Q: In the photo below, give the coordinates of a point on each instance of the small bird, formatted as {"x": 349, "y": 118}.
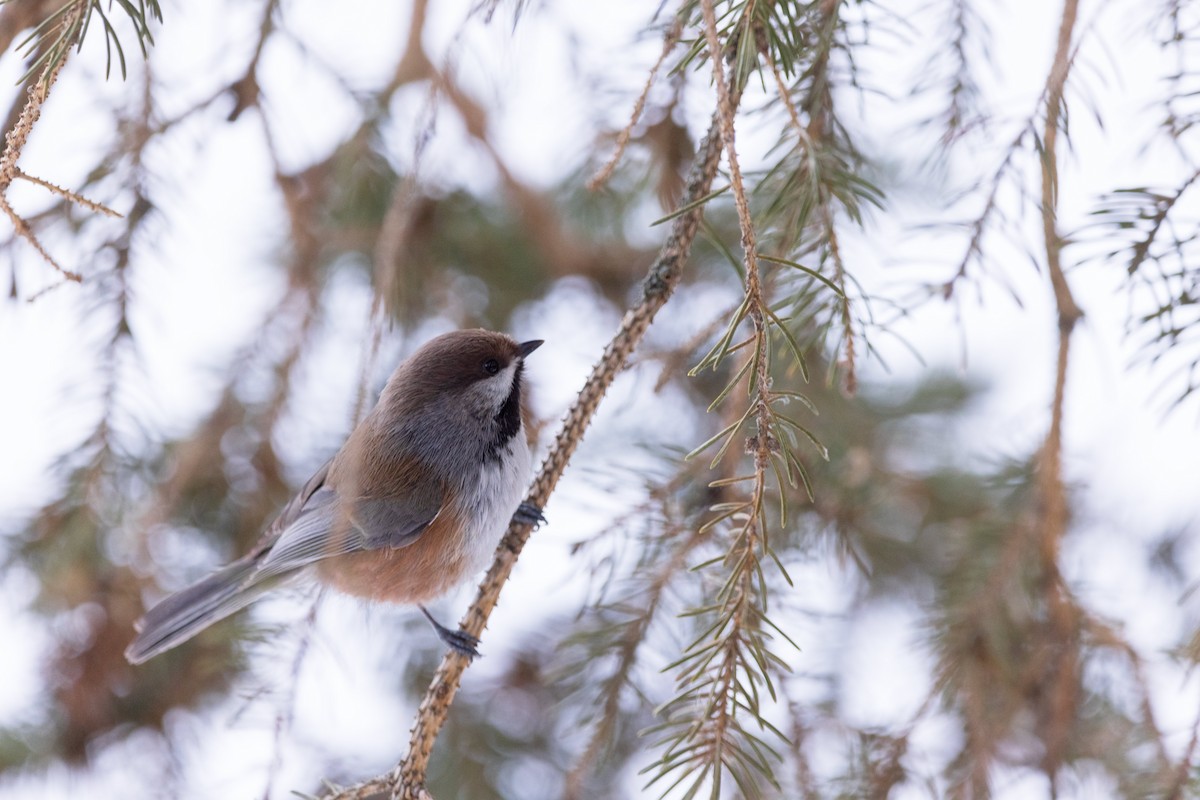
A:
{"x": 412, "y": 505}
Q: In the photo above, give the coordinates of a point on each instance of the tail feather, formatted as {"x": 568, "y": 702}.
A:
{"x": 184, "y": 614}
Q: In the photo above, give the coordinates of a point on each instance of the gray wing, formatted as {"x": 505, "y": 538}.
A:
{"x": 326, "y": 527}
{"x": 295, "y": 507}
{"x": 184, "y": 614}
{"x": 300, "y": 535}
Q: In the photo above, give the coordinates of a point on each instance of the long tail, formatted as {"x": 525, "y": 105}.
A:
{"x": 184, "y": 614}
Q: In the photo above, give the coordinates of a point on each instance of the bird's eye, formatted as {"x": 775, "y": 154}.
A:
{"x": 491, "y": 366}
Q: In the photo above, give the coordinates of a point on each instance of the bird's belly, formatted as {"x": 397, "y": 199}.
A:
{"x": 417, "y": 573}
{"x": 459, "y": 543}
{"x": 489, "y": 508}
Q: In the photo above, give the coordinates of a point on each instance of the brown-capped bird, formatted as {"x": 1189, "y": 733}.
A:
{"x": 412, "y": 505}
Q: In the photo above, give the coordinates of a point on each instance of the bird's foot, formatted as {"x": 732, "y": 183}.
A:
{"x": 459, "y": 641}
{"x": 529, "y": 514}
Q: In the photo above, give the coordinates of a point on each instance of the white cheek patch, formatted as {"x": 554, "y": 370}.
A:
{"x": 501, "y": 383}
{"x": 493, "y": 391}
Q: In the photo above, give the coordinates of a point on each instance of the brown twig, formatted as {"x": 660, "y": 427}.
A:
{"x": 669, "y": 41}
{"x": 414, "y": 64}
{"x": 15, "y": 139}
{"x": 77, "y": 199}
{"x": 408, "y": 778}
{"x": 1062, "y": 694}
{"x": 25, "y": 232}
{"x": 1068, "y": 311}
{"x": 14, "y": 144}
{"x": 850, "y": 384}
{"x": 849, "y": 361}
{"x": 754, "y": 291}
{"x": 245, "y": 90}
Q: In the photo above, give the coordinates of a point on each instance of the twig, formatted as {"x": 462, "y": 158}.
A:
{"x": 850, "y": 385}
{"x": 77, "y": 199}
{"x": 849, "y": 361}
{"x": 1069, "y": 312}
{"x": 14, "y": 144}
{"x": 25, "y": 232}
{"x": 749, "y": 247}
{"x": 669, "y": 41}
{"x": 786, "y": 97}
{"x": 15, "y": 139}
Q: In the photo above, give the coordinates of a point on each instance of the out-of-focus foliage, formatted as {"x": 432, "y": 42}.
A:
{"x": 687, "y": 666}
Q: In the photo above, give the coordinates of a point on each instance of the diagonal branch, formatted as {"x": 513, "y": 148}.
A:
{"x": 407, "y": 780}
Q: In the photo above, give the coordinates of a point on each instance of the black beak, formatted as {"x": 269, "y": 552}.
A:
{"x": 525, "y": 348}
